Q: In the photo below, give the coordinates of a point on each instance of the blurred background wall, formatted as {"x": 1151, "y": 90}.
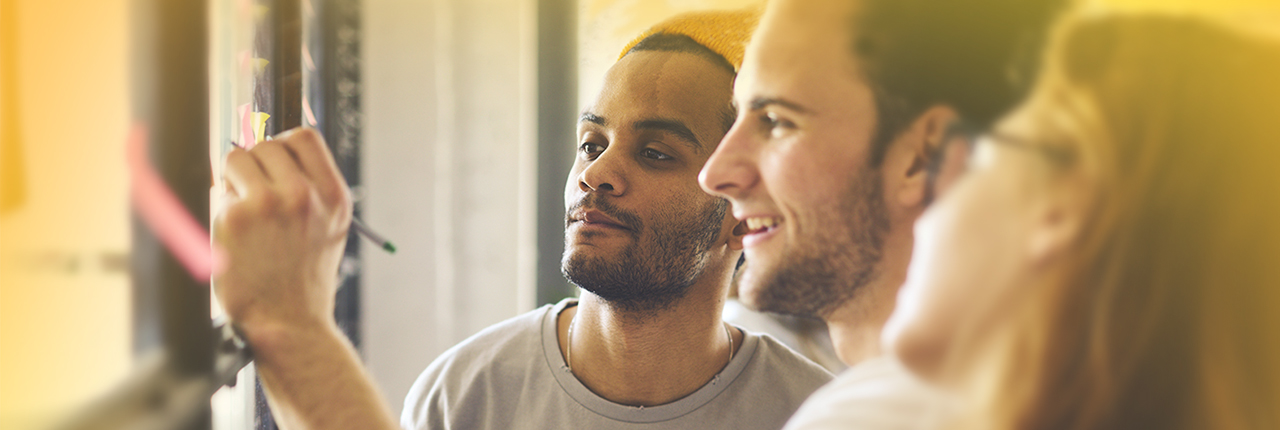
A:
{"x": 451, "y": 168}
{"x": 64, "y": 286}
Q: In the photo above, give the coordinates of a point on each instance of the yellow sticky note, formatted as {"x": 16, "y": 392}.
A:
{"x": 260, "y": 125}
{"x": 260, "y": 11}
{"x": 259, "y": 64}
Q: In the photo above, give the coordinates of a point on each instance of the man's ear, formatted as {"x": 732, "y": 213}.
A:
{"x": 918, "y": 149}
{"x": 735, "y": 236}
{"x": 1059, "y": 220}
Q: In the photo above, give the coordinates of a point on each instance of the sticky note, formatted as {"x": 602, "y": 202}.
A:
{"x": 306, "y": 110}
{"x": 259, "y": 64}
{"x": 246, "y": 127}
{"x": 243, "y": 60}
{"x": 259, "y": 125}
{"x": 306, "y": 59}
{"x": 164, "y": 214}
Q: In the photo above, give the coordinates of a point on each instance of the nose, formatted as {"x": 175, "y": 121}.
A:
{"x": 604, "y": 174}
{"x": 731, "y": 170}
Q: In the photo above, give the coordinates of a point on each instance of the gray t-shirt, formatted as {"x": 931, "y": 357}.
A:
{"x": 512, "y": 376}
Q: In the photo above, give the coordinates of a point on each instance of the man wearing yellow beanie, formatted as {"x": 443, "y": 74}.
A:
{"x": 652, "y": 253}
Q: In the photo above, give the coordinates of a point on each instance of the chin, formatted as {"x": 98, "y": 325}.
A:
{"x": 918, "y": 352}
{"x": 749, "y": 289}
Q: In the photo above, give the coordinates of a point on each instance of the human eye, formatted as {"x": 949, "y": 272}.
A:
{"x": 775, "y": 125}
{"x": 590, "y": 150}
{"x": 654, "y": 154}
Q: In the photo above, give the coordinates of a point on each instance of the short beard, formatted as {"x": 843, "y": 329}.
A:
{"x": 828, "y": 269}
{"x": 650, "y": 275}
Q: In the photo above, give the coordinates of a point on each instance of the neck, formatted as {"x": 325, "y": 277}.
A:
{"x": 650, "y": 359}
{"x": 855, "y": 326}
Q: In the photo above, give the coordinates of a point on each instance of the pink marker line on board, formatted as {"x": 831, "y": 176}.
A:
{"x": 164, "y": 214}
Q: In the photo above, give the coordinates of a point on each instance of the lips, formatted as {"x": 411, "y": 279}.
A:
{"x": 761, "y": 224}
{"x": 759, "y": 229}
{"x": 596, "y": 218}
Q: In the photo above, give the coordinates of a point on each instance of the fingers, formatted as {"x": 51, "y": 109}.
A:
{"x": 316, "y": 162}
{"x": 287, "y": 173}
{"x": 244, "y": 174}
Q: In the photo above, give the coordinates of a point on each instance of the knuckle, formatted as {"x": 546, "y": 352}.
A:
{"x": 308, "y": 138}
{"x": 336, "y": 194}
{"x": 265, "y": 145}
{"x": 346, "y": 211}
{"x": 235, "y": 156}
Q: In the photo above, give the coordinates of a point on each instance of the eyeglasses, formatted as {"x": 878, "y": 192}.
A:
{"x": 957, "y": 132}
{"x": 1058, "y": 154}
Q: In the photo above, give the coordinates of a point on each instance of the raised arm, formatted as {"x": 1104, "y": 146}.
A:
{"x": 284, "y": 227}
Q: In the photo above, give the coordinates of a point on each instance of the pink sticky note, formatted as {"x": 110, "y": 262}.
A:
{"x": 245, "y": 57}
{"x": 185, "y": 238}
{"x": 246, "y": 127}
{"x": 306, "y": 110}
{"x": 306, "y": 59}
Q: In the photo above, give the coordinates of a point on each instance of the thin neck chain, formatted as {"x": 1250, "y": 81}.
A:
{"x": 573, "y": 322}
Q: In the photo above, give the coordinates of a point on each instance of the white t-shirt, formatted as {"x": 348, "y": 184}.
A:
{"x": 876, "y": 394}
{"x": 513, "y": 376}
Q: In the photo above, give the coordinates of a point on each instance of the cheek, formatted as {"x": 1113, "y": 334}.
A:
{"x": 808, "y": 174}
{"x": 968, "y": 265}
{"x": 960, "y": 247}
{"x": 926, "y": 311}
{"x": 571, "y": 185}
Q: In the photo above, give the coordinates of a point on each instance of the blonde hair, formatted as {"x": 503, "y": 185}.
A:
{"x": 1165, "y": 311}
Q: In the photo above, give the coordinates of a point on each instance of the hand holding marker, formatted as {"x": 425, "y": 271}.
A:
{"x": 359, "y": 227}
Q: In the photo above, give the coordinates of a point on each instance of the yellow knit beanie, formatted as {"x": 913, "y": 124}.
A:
{"x": 725, "y": 32}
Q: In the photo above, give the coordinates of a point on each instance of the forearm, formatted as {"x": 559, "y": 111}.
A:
{"x": 283, "y": 226}
{"x": 314, "y": 380}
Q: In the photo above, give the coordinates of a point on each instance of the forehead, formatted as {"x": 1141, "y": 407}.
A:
{"x": 803, "y": 49}
{"x": 659, "y": 84}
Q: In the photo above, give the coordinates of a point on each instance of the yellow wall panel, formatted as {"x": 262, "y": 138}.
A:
{"x": 64, "y": 290}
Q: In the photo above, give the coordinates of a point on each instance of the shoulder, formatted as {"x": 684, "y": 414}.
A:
{"x": 478, "y": 367}
{"x": 776, "y": 372}
{"x": 768, "y": 376}
{"x": 876, "y": 394}
{"x": 519, "y": 333}
{"x": 779, "y": 359}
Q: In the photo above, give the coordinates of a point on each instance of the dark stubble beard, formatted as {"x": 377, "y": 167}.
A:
{"x": 837, "y": 257}
{"x": 656, "y": 269}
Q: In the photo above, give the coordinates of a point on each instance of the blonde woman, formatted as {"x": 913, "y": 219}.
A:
{"x": 1111, "y": 259}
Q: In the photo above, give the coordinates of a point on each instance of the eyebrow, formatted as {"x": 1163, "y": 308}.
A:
{"x": 672, "y": 126}
{"x": 763, "y": 102}
{"x": 592, "y": 118}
